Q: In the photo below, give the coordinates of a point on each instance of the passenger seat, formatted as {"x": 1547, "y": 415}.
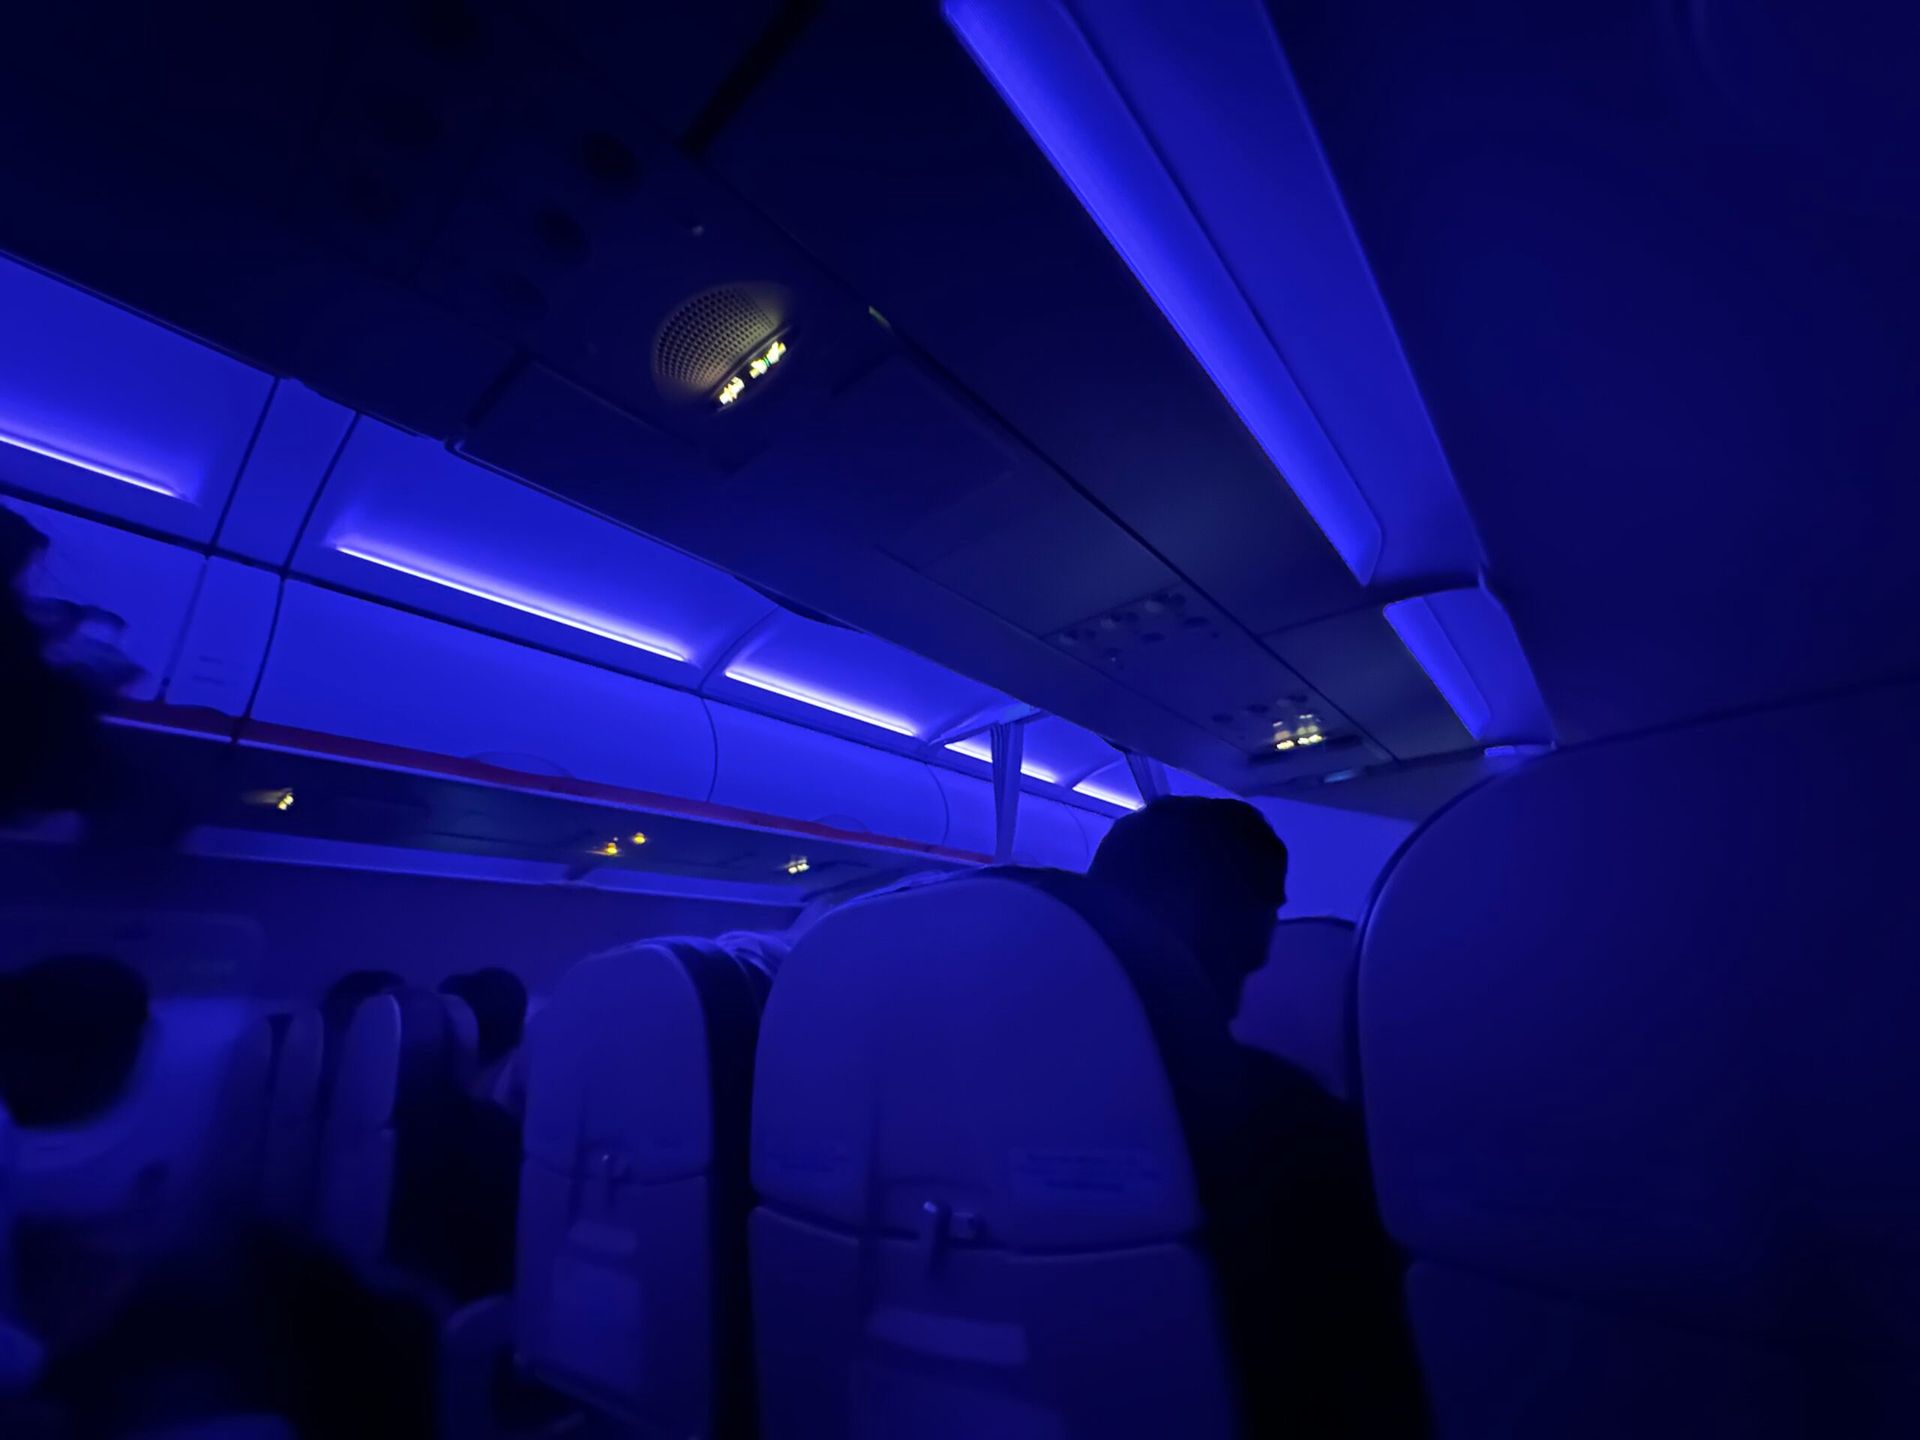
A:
{"x": 632, "y": 1293}
{"x": 978, "y": 1214}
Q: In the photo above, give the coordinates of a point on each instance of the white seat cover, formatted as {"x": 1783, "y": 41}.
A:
{"x": 1638, "y": 1030}
{"x": 355, "y": 1183}
{"x": 615, "y": 1266}
{"x": 1299, "y": 1005}
{"x": 977, "y": 1214}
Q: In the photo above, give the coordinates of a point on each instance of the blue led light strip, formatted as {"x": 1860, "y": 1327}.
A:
{"x": 975, "y": 750}
{"x": 494, "y": 593}
{"x": 789, "y": 690}
{"x": 80, "y": 462}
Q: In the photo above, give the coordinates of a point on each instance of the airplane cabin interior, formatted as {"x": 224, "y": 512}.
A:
{"x": 737, "y": 522}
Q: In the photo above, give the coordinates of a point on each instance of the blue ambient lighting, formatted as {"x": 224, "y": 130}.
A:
{"x": 975, "y": 750}
{"x": 80, "y": 462}
{"x": 1048, "y": 74}
{"x": 1420, "y": 630}
{"x": 1097, "y": 792}
{"x": 788, "y": 690}
{"x": 497, "y": 594}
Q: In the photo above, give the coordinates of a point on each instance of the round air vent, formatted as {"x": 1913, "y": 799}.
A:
{"x": 711, "y": 336}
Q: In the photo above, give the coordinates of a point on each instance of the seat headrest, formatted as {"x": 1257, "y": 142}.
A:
{"x": 973, "y": 1044}
{"x": 619, "y": 1067}
{"x": 1637, "y": 1024}
{"x": 1299, "y": 1005}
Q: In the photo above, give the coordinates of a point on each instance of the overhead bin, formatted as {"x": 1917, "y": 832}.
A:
{"x": 768, "y": 765}
{"x": 350, "y": 667}
{"x": 405, "y": 519}
{"x": 102, "y": 409}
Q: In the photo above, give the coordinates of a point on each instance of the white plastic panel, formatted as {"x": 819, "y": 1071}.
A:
{"x": 226, "y": 638}
{"x": 351, "y": 667}
{"x": 1094, "y": 828}
{"x": 1048, "y": 833}
{"x": 517, "y": 560}
{"x": 153, "y": 426}
{"x": 148, "y": 583}
{"x": 969, "y": 810}
{"x": 297, "y": 442}
{"x": 1063, "y": 750}
{"x": 848, "y": 681}
{"x": 766, "y": 764}
{"x": 1112, "y": 786}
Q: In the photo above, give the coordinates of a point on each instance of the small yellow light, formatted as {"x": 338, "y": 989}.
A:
{"x": 285, "y": 802}
{"x": 758, "y": 368}
{"x": 611, "y": 848}
{"x": 1283, "y": 744}
{"x": 639, "y": 837}
{"x": 775, "y": 351}
{"x": 732, "y": 390}
{"x": 798, "y": 866}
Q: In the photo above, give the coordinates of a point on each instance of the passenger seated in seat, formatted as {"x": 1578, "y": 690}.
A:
{"x": 498, "y": 999}
{"x": 1310, "y": 1282}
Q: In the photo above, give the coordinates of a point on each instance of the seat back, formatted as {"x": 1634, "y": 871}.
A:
{"x": 977, "y": 1211}
{"x": 1299, "y": 1005}
{"x": 1637, "y": 1031}
{"x": 403, "y": 1062}
{"x": 290, "y": 1144}
{"x": 354, "y": 1184}
{"x": 631, "y": 1291}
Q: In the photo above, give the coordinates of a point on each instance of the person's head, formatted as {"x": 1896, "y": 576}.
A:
{"x": 70, "y": 1033}
{"x": 1211, "y": 871}
{"x": 498, "y": 999}
{"x": 343, "y": 997}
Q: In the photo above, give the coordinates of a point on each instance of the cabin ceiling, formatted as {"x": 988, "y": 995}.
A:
{"x": 1668, "y": 357}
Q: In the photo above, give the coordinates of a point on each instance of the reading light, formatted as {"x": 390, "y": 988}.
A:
{"x": 1097, "y": 792}
{"x": 285, "y": 802}
{"x": 497, "y": 594}
{"x": 639, "y": 837}
{"x": 974, "y": 750}
{"x": 611, "y": 849}
{"x": 798, "y": 865}
{"x": 756, "y": 369}
{"x": 1304, "y": 731}
{"x": 80, "y": 462}
{"x": 787, "y": 690}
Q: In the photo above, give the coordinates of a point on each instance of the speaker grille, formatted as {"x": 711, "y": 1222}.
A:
{"x": 706, "y": 339}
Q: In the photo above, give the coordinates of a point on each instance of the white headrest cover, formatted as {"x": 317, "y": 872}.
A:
{"x": 367, "y": 1083}
{"x": 618, "y": 1065}
{"x": 1299, "y": 1005}
{"x": 974, "y": 1044}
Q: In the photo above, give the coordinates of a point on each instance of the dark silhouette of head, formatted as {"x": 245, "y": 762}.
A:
{"x": 343, "y": 997}
{"x": 498, "y": 999}
{"x": 70, "y": 1033}
{"x": 1212, "y": 872}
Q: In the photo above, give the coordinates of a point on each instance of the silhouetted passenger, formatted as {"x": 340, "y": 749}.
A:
{"x": 70, "y": 1033}
{"x": 1309, "y": 1279}
{"x": 498, "y": 999}
{"x": 456, "y": 1202}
